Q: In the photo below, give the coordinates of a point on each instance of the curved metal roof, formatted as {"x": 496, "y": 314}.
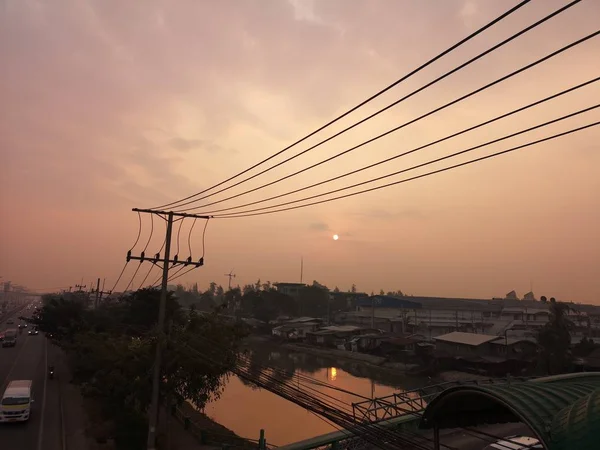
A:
{"x": 535, "y": 403}
{"x": 577, "y": 425}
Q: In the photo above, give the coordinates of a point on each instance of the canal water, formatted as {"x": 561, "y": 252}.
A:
{"x": 245, "y": 409}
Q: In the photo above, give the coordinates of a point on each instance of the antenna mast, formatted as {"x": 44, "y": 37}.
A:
{"x": 230, "y": 275}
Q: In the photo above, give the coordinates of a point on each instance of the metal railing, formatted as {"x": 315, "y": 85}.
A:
{"x": 409, "y": 402}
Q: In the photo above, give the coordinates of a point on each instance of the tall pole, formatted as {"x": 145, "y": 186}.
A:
{"x": 153, "y": 416}
{"x": 97, "y": 294}
{"x": 301, "y": 268}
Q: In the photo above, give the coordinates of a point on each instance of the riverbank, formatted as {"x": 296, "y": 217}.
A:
{"x": 209, "y": 432}
{"x": 364, "y": 365}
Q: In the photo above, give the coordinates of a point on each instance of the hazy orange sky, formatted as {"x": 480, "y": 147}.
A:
{"x": 107, "y": 105}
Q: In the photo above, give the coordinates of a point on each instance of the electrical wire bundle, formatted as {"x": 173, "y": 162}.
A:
{"x": 332, "y": 410}
{"x": 194, "y": 202}
{"x": 302, "y": 391}
{"x": 182, "y": 269}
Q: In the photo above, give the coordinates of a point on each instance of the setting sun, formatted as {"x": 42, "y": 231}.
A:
{"x": 335, "y": 237}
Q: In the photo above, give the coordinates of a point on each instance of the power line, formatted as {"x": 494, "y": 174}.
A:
{"x": 364, "y": 102}
{"x": 393, "y": 130}
{"x": 156, "y": 258}
{"x": 242, "y": 214}
{"x": 129, "y": 252}
{"x": 271, "y": 379}
{"x": 398, "y": 172}
{"x": 177, "y": 274}
{"x": 143, "y": 252}
{"x": 408, "y": 152}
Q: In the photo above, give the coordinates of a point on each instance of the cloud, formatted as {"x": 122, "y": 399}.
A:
{"x": 109, "y": 104}
{"x": 392, "y": 215}
{"x": 319, "y": 226}
{"x": 185, "y": 145}
{"x": 468, "y": 10}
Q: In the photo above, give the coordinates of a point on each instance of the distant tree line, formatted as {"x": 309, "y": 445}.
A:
{"x": 262, "y": 300}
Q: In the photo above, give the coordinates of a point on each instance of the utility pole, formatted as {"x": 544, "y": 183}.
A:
{"x": 170, "y": 218}
{"x": 97, "y": 294}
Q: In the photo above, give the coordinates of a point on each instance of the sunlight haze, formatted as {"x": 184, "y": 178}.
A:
{"x": 108, "y": 105}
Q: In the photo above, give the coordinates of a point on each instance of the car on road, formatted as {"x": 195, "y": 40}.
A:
{"x": 516, "y": 443}
{"x": 10, "y": 322}
{"x": 34, "y": 332}
{"x": 10, "y": 338}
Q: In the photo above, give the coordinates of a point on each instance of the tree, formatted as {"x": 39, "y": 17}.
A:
{"x": 212, "y": 288}
{"x": 111, "y": 350}
{"x": 336, "y": 289}
{"x": 232, "y": 299}
{"x": 219, "y": 293}
{"x": 247, "y": 289}
{"x": 313, "y": 301}
{"x": 381, "y": 292}
{"x": 397, "y": 293}
{"x": 353, "y": 289}
{"x": 554, "y": 339}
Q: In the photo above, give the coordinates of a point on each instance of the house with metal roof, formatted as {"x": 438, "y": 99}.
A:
{"x": 458, "y": 343}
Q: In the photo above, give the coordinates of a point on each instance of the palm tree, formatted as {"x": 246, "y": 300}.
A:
{"x": 554, "y": 339}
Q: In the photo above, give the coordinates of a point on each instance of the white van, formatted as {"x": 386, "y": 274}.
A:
{"x": 16, "y": 401}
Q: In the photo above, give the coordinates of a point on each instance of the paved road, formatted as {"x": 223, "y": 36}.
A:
{"x": 29, "y": 360}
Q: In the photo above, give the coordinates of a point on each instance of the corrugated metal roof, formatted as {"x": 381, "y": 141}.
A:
{"x": 577, "y": 425}
{"x": 557, "y": 402}
{"x": 458, "y": 337}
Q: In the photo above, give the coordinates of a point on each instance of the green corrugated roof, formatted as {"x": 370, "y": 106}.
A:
{"x": 577, "y": 425}
{"x": 536, "y": 403}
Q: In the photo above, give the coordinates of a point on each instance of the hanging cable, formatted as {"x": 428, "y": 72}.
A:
{"x": 139, "y": 232}
{"x": 151, "y": 233}
{"x": 372, "y": 432}
{"x": 146, "y": 277}
{"x": 418, "y": 166}
{"x": 364, "y": 120}
{"x": 190, "y": 235}
{"x": 156, "y": 259}
{"x": 575, "y": 130}
{"x": 368, "y": 100}
{"x": 178, "y": 234}
{"x": 178, "y": 273}
{"x": 118, "y": 279}
{"x": 143, "y": 253}
{"x": 392, "y": 158}
{"x": 133, "y": 277}
{"x": 405, "y": 124}
{"x": 129, "y": 253}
